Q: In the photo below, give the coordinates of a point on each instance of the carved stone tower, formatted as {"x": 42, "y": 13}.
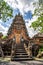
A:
{"x": 18, "y": 29}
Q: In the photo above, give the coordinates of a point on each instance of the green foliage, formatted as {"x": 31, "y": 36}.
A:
{"x": 40, "y": 1}
{"x": 4, "y": 37}
{"x": 41, "y": 48}
{"x": 5, "y": 11}
{"x": 39, "y": 22}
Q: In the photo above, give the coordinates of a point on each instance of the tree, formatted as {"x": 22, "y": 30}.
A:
{"x": 38, "y": 24}
{"x": 5, "y": 11}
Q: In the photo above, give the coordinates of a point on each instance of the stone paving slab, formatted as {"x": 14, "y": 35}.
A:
{"x": 22, "y": 63}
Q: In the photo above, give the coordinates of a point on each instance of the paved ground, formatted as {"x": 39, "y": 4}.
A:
{"x": 22, "y": 63}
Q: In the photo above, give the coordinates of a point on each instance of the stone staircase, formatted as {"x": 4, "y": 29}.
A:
{"x": 20, "y": 54}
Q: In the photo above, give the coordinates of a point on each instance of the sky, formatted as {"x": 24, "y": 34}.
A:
{"x": 26, "y": 9}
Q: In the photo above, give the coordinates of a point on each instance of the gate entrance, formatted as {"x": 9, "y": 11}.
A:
{"x": 18, "y": 36}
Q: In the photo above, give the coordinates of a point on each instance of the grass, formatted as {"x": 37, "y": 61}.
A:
{"x": 4, "y": 59}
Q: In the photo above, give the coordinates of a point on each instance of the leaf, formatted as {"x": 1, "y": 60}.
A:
{"x": 4, "y": 9}
{"x": 39, "y": 21}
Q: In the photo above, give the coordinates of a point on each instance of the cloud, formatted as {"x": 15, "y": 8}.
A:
{"x": 15, "y": 11}
{"x": 28, "y": 22}
{"x": 3, "y": 29}
{"x": 22, "y": 5}
{"x": 31, "y": 31}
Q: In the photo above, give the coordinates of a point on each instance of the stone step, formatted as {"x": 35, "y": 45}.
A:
{"x": 21, "y": 53}
{"x": 19, "y": 49}
{"x": 21, "y": 59}
{"x": 22, "y": 56}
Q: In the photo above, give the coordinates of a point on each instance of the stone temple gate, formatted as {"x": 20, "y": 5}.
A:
{"x": 17, "y": 45}
{"x": 18, "y": 29}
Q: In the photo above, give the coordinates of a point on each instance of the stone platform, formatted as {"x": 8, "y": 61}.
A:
{"x": 22, "y": 63}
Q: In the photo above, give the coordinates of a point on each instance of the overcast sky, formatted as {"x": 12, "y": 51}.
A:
{"x": 26, "y": 9}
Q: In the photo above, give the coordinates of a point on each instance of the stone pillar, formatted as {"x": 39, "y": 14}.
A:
{"x": 13, "y": 48}
{"x": 30, "y": 49}
{"x": 35, "y": 49}
{"x": 1, "y": 52}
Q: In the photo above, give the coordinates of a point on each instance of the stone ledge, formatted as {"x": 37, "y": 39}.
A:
{"x": 38, "y": 59}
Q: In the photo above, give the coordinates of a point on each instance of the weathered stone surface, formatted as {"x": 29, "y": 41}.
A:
{"x": 40, "y": 55}
{"x": 22, "y": 63}
{"x": 35, "y": 49}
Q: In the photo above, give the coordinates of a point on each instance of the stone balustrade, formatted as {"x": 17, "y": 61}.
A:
{"x": 28, "y": 50}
